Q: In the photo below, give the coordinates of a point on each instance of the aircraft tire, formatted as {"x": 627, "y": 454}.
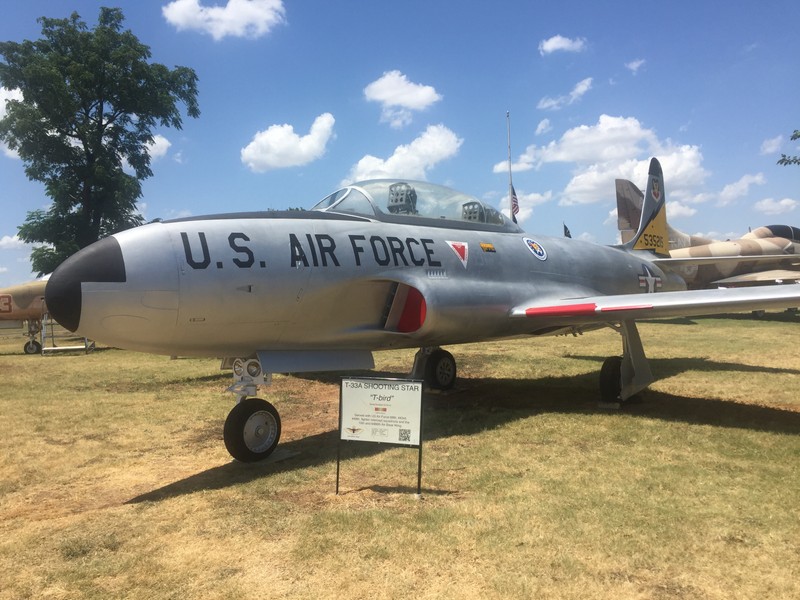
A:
{"x": 611, "y": 380}
{"x": 32, "y": 347}
{"x": 440, "y": 370}
{"x": 252, "y": 430}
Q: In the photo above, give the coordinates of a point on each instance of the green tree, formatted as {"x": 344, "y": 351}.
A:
{"x": 90, "y": 102}
{"x": 791, "y": 160}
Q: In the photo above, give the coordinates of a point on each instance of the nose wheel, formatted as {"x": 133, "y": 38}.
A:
{"x": 32, "y": 347}
{"x": 252, "y": 430}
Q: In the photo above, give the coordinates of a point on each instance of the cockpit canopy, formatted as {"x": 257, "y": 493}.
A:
{"x": 384, "y": 199}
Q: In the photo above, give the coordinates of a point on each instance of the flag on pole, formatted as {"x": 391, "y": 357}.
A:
{"x": 512, "y": 195}
{"x": 514, "y": 204}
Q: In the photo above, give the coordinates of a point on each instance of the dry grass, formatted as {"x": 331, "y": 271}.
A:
{"x": 115, "y": 483}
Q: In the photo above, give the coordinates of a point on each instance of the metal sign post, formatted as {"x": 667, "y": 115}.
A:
{"x": 382, "y": 411}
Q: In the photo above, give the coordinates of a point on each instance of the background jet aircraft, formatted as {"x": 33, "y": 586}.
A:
{"x": 771, "y": 251}
{"x": 377, "y": 265}
{"x": 24, "y": 304}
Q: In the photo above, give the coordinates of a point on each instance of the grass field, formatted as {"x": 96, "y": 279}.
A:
{"x": 115, "y": 483}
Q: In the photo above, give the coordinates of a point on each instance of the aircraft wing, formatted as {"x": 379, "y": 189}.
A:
{"x": 697, "y": 261}
{"x": 773, "y": 276}
{"x": 598, "y": 309}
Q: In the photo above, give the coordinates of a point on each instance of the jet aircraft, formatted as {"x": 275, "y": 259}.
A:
{"x": 377, "y": 265}
{"x": 22, "y": 305}
{"x": 766, "y": 255}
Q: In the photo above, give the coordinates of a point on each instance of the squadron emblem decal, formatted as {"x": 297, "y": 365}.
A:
{"x": 656, "y": 188}
{"x": 536, "y": 248}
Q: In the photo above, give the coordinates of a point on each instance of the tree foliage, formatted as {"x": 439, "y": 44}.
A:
{"x": 791, "y": 160}
{"x": 90, "y": 102}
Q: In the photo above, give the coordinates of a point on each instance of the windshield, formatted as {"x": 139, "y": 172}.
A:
{"x": 413, "y": 198}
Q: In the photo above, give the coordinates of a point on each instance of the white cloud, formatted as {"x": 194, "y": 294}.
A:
{"x": 682, "y": 167}
{"x": 280, "y": 147}
{"x": 410, "y": 161}
{"x": 560, "y": 43}
{"x": 676, "y": 210}
{"x": 769, "y": 206}
{"x": 11, "y": 242}
{"x": 615, "y": 147}
{"x": 6, "y": 94}
{"x": 740, "y": 188}
{"x": 635, "y": 65}
{"x": 526, "y": 204}
{"x": 576, "y": 94}
{"x": 772, "y": 145}
{"x": 238, "y": 18}
{"x": 543, "y": 127}
{"x": 614, "y": 139}
{"x": 158, "y": 147}
{"x": 398, "y": 97}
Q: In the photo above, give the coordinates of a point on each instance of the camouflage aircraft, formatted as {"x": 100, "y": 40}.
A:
{"x": 771, "y": 252}
{"x": 23, "y": 305}
{"x": 376, "y": 265}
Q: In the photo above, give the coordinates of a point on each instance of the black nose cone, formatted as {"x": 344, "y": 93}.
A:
{"x": 100, "y": 262}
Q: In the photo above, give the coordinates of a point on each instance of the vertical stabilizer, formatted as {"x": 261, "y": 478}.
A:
{"x": 652, "y": 234}
{"x": 629, "y": 209}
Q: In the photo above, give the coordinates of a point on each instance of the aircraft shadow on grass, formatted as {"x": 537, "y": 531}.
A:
{"x": 482, "y": 404}
{"x": 667, "y": 367}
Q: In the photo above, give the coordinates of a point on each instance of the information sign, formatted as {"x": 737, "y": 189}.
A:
{"x": 381, "y": 410}
{"x": 386, "y": 411}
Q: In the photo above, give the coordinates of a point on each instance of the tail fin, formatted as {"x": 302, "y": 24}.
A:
{"x": 652, "y": 233}
{"x": 629, "y": 208}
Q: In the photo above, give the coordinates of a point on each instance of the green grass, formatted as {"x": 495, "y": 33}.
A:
{"x": 115, "y": 482}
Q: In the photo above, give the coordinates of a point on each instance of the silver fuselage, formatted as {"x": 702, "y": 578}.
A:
{"x": 232, "y": 285}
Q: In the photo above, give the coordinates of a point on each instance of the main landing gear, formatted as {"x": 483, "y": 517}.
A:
{"x": 436, "y": 367}
{"x": 622, "y": 377}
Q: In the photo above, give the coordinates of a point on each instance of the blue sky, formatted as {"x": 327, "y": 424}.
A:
{"x": 298, "y": 97}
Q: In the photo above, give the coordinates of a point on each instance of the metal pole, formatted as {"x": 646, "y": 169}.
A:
{"x": 510, "y": 183}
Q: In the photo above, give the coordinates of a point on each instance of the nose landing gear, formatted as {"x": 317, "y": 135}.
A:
{"x": 253, "y": 427}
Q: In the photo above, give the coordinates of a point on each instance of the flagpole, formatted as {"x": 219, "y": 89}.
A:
{"x": 511, "y": 193}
